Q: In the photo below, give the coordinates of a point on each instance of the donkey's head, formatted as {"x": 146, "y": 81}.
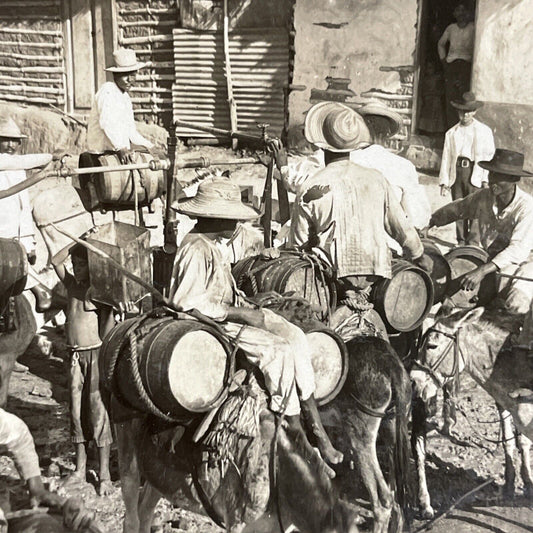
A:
{"x": 441, "y": 356}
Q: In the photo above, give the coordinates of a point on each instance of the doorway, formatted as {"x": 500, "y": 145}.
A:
{"x": 432, "y": 118}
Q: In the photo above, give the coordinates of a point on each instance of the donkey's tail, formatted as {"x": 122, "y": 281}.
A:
{"x": 401, "y": 396}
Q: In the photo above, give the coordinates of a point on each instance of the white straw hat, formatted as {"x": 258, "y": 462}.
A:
{"x": 9, "y": 128}
{"x": 125, "y": 61}
{"x": 336, "y": 127}
{"x": 379, "y": 109}
{"x": 217, "y": 198}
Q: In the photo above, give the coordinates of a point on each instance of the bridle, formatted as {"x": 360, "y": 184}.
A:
{"x": 433, "y": 370}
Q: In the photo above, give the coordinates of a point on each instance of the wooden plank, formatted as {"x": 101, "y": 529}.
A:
{"x": 103, "y": 40}
{"x": 82, "y": 54}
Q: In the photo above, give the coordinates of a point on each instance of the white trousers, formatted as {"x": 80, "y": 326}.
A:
{"x": 281, "y": 351}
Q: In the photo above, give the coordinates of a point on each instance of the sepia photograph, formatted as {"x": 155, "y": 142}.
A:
{"x": 266, "y": 266}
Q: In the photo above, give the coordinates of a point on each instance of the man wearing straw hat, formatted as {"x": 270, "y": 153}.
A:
{"x": 111, "y": 122}
{"x": 16, "y": 220}
{"x": 400, "y": 173}
{"x": 505, "y": 215}
{"x": 348, "y": 209}
{"x": 202, "y": 280}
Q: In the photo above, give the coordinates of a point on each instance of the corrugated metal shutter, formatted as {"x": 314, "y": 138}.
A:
{"x": 260, "y": 71}
{"x": 32, "y": 68}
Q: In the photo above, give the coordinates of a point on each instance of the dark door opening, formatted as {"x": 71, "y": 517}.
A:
{"x": 434, "y": 114}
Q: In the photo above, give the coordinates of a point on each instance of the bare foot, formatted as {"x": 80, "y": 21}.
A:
{"x": 76, "y": 478}
{"x": 105, "y": 488}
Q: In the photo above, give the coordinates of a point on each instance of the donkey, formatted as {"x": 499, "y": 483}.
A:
{"x": 477, "y": 341}
{"x": 14, "y": 343}
{"x": 247, "y": 495}
{"x": 377, "y": 390}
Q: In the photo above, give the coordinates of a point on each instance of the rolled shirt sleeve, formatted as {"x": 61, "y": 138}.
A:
{"x": 23, "y": 162}
{"x": 17, "y": 442}
{"x": 398, "y": 226}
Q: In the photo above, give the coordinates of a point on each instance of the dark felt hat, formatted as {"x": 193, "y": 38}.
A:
{"x": 467, "y": 102}
{"x": 507, "y": 163}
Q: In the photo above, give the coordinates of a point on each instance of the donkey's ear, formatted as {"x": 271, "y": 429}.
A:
{"x": 471, "y": 316}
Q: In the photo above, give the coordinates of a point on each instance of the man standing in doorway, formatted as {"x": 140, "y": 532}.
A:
{"x": 457, "y": 58}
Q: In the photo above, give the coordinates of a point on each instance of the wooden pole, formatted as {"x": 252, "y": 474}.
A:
{"x": 229, "y": 82}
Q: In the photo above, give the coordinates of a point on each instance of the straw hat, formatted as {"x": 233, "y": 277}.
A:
{"x": 379, "y": 109}
{"x": 217, "y": 198}
{"x": 467, "y": 102}
{"x": 125, "y": 61}
{"x": 336, "y": 127}
{"x": 9, "y": 129}
{"x": 508, "y": 163}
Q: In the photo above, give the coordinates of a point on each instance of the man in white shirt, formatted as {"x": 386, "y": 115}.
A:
{"x": 111, "y": 122}
{"x": 457, "y": 59}
{"x": 465, "y": 144}
{"x": 505, "y": 215}
{"x": 16, "y": 220}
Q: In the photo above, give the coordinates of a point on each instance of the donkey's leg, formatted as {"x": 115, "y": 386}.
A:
{"x": 418, "y": 445}
{"x": 509, "y": 447}
{"x": 130, "y": 477}
{"x": 7, "y": 362}
{"x": 363, "y": 432}
{"x": 449, "y": 413}
{"x": 150, "y": 496}
{"x": 524, "y": 445}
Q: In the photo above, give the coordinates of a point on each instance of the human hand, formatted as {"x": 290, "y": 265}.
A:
{"x": 270, "y": 253}
{"x": 276, "y": 148}
{"x": 473, "y": 279}
{"x": 424, "y": 262}
{"x": 484, "y": 184}
{"x": 125, "y": 155}
{"x": 444, "y": 190}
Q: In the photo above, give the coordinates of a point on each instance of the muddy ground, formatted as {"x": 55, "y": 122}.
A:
{"x": 39, "y": 395}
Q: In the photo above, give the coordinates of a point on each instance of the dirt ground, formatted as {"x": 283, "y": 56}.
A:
{"x": 456, "y": 466}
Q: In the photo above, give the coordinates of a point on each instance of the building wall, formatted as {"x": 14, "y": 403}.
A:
{"x": 503, "y": 72}
{"x": 355, "y": 36}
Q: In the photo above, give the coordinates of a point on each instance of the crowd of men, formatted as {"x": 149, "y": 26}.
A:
{"x": 354, "y": 200}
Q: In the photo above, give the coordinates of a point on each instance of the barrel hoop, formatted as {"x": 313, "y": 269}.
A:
{"x": 137, "y": 382}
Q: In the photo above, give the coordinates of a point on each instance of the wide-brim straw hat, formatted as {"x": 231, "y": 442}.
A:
{"x": 217, "y": 198}
{"x": 467, "y": 102}
{"x": 379, "y": 109}
{"x": 10, "y": 129}
{"x": 507, "y": 163}
{"x": 125, "y": 61}
{"x": 336, "y": 127}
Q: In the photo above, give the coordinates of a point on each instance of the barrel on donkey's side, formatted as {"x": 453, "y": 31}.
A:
{"x": 181, "y": 366}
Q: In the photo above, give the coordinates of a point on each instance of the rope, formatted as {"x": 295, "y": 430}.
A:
{"x": 137, "y": 382}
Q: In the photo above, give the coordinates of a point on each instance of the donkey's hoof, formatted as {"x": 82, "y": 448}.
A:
{"x": 427, "y": 513}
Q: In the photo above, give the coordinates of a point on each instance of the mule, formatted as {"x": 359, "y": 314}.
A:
{"x": 476, "y": 341}
{"x": 376, "y": 395}
{"x": 14, "y": 343}
{"x": 248, "y": 495}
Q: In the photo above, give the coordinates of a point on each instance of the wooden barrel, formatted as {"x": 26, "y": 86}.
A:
{"x": 291, "y": 272}
{"x": 184, "y": 366}
{"x": 329, "y": 358}
{"x": 13, "y": 267}
{"x": 441, "y": 273}
{"x": 62, "y": 207}
{"x": 118, "y": 188}
{"x": 404, "y": 300}
{"x": 462, "y": 260}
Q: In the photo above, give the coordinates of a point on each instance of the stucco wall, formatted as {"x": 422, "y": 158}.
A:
{"x": 503, "y": 73}
{"x": 366, "y": 35}
{"x": 503, "y": 62}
